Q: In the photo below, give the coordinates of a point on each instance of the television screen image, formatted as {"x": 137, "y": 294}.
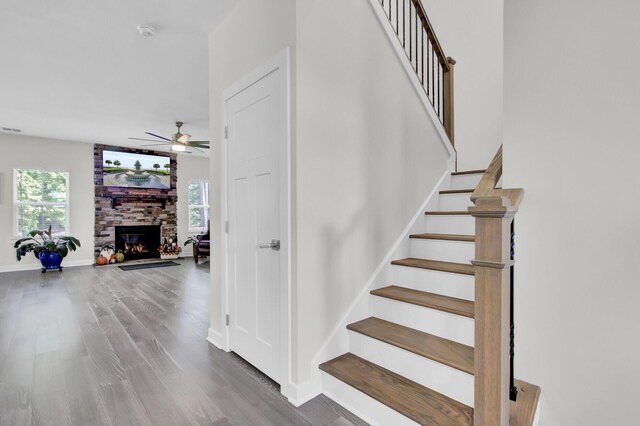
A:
{"x": 126, "y": 169}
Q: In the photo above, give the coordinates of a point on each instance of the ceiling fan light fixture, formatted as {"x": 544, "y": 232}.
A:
{"x": 178, "y": 148}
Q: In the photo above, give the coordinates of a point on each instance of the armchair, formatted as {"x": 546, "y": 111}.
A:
{"x": 202, "y": 248}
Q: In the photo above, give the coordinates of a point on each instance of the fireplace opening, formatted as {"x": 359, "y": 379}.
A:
{"x": 138, "y": 242}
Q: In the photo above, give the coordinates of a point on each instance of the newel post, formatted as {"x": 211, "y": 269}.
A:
{"x": 493, "y": 217}
{"x": 448, "y": 101}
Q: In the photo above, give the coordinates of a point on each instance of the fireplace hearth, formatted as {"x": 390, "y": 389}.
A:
{"x": 138, "y": 242}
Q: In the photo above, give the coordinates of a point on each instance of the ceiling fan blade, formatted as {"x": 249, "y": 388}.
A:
{"x": 149, "y": 140}
{"x": 199, "y": 146}
{"x": 199, "y": 142}
{"x": 158, "y": 136}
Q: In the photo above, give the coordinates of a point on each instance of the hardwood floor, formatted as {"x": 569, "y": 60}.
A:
{"x": 102, "y": 346}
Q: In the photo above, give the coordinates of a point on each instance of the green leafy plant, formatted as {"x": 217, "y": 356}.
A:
{"x": 62, "y": 245}
{"x": 191, "y": 240}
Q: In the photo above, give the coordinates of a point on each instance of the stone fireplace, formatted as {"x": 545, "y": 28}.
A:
{"x": 133, "y": 207}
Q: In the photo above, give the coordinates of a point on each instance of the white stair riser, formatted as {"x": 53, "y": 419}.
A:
{"x": 450, "y": 251}
{"x": 465, "y": 181}
{"x": 454, "y": 201}
{"x": 362, "y": 405}
{"x": 434, "y": 375}
{"x": 445, "y": 283}
{"x": 449, "y": 326}
{"x": 451, "y": 224}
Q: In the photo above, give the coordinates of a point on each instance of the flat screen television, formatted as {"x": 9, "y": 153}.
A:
{"x": 132, "y": 170}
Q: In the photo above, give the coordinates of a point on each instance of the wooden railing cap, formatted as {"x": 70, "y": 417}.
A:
{"x": 489, "y": 180}
{"x": 492, "y": 206}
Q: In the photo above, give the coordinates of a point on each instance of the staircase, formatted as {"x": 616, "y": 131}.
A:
{"x": 412, "y": 360}
{"x": 437, "y": 346}
{"x": 415, "y": 354}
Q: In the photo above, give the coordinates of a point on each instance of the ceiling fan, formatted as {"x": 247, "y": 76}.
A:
{"x": 179, "y": 141}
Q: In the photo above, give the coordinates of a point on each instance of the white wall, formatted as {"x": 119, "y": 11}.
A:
{"x": 251, "y": 34}
{"x": 470, "y": 31}
{"x": 368, "y": 155}
{"x": 571, "y": 140}
{"x": 365, "y": 152}
{"x": 189, "y": 168}
{"x": 48, "y": 154}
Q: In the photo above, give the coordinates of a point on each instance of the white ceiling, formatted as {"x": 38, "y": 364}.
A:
{"x": 78, "y": 69}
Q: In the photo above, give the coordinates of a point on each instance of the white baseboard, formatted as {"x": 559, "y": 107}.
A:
{"x": 298, "y": 394}
{"x": 38, "y": 266}
{"x": 216, "y": 339}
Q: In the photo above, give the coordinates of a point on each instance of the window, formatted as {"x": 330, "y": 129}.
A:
{"x": 40, "y": 199}
{"x": 198, "y": 205}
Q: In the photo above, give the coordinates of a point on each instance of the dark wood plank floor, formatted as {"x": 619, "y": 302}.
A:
{"x": 101, "y": 346}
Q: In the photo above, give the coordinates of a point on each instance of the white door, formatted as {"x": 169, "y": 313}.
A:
{"x": 255, "y": 137}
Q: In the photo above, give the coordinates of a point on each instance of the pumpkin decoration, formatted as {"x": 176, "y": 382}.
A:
{"x": 119, "y": 256}
{"x": 107, "y": 255}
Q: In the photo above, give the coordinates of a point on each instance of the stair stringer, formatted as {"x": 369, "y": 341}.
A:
{"x": 338, "y": 341}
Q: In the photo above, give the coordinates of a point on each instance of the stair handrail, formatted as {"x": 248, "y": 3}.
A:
{"x": 438, "y": 86}
{"x": 494, "y": 213}
{"x": 489, "y": 180}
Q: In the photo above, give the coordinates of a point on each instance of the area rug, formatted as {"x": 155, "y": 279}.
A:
{"x": 148, "y": 265}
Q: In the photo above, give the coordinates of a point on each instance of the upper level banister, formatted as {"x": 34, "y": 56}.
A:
{"x": 431, "y": 34}
{"x": 489, "y": 180}
{"x": 433, "y": 70}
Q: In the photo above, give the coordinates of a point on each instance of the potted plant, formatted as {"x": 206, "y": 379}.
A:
{"x": 192, "y": 240}
{"x": 50, "y": 251}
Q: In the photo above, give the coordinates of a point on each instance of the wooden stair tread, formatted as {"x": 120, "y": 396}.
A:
{"x": 436, "y": 265}
{"x": 522, "y": 411}
{"x": 447, "y": 352}
{"x": 448, "y": 304}
{"x": 448, "y": 237}
{"x": 419, "y": 403}
{"x": 468, "y": 172}
{"x": 457, "y": 191}
{"x": 448, "y": 213}
{"x": 460, "y": 191}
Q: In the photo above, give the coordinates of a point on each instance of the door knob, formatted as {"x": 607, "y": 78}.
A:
{"x": 273, "y": 245}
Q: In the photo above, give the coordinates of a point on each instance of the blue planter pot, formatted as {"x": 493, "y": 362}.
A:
{"x": 50, "y": 260}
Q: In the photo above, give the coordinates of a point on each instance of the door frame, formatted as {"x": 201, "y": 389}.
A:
{"x": 281, "y": 61}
